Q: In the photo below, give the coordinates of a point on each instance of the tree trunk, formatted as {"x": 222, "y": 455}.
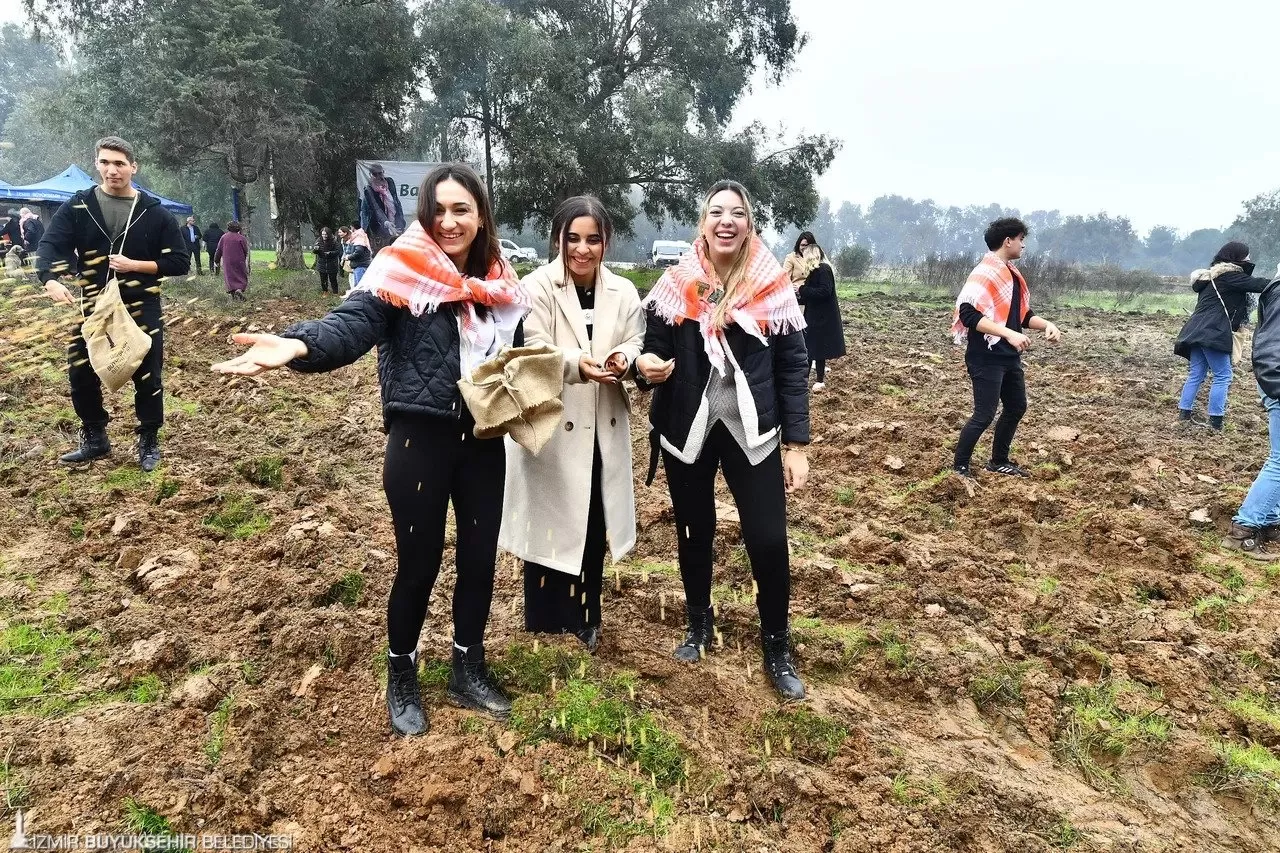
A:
{"x": 288, "y": 245}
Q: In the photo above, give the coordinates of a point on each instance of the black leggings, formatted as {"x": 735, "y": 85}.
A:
{"x": 555, "y": 601}
{"x": 821, "y": 367}
{"x": 761, "y": 500}
{"x": 992, "y": 384}
{"x": 328, "y": 277}
{"x": 429, "y": 462}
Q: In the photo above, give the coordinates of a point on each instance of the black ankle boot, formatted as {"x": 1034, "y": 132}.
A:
{"x": 700, "y": 633}
{"x": 471, "y": 685}
{"x": 1184, "y": 414}
{"x": 148, "y": 449}
{"x": 779, "y": 665}
{"x": 94, "y": 444}
{"x": 1215, "y": 423}
{"x": 404, "y": 698}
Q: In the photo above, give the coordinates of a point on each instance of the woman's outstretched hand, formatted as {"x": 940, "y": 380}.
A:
{"x": 266, "y": 352}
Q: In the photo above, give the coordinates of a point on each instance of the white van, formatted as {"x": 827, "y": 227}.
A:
{"x": 667, "y": 253}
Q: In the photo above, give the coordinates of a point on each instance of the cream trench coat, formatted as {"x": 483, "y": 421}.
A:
{"x": 548, "y": 496}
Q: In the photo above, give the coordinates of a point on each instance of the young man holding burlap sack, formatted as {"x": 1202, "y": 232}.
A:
{"x": 111, "y": 237}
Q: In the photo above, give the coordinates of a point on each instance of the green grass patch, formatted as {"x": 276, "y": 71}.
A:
{"x": 848, "y": 642}
{"x": 845, "y": 495}
{"x": 1063, "y": 836}
{"x": 189, "y": 408}
{"x": 1256, "y": 709}
{"x": 141, "y": 819}
{"x": 645, "y": 568}
{"x": 801, "y": 732}
{"x": 264, "y": 471}
{"x": 40, "y": 669}
{"x": 219, "y": 728}
{"x": 238, "y": 517}
{"x": 1048, "y": 586}
{"x": 1108, "y": 721}
{"x": 129, "y": 479}
{"x": 1216, "y": 610}
{"x": 530, "y": 670}
{"x": 1250, "y": 771}
{"x": 897, "y": 651}
{"x": 166, "y": 488}
{"x": 346, "y": 590}
{"x": 999, "y": 684}
{"x": 585, "y": 711}
{"x": 891, "y": 390}
{"x": 149, "y": 688}
{"x": 17, "y": 792}
{"x": 913, "y": 791}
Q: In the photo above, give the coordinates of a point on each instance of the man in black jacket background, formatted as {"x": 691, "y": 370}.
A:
{"x": 195, "y": 241}
{"x": 114, "y": 231}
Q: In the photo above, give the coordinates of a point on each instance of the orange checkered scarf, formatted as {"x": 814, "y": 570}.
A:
{"x": 765, "y": 303}
{"x": 989, "y": 288}
{"x": 415, "y": 273}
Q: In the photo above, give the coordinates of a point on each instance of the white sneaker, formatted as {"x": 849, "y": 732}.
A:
{"x": 818, "y": 386}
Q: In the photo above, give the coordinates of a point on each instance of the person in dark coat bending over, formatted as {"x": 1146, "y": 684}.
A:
{"x": 1206, "y": 340}
{"x": 993, "y": 308}
{"x": 724, "y": 346}
{"x": 143, "y": 246}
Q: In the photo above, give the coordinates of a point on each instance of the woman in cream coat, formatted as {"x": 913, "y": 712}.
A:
{"x": 564, "y": 505}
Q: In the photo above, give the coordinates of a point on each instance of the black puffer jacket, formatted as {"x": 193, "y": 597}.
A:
{"x": 1208, "y": 325}
{"x": 418, "y": 359}
{"x": 777, "y": 375}
{"x": 1266, "y": 341}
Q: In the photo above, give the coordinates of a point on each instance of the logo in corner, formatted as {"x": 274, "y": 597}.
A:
{"x": 18, "y": 841}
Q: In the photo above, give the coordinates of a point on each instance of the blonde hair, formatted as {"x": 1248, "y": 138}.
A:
{"x": 738, "y": 269}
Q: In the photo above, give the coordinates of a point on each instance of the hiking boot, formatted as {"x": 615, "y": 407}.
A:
{"x": 404, "y": 697}
{"x": 1269, "y": 533}
{"x": 1215, "y": 423}
{"x": 1011, "y": 469}
{"x": 1249, "y": 542}
{"x": 471, "y": 685}
{"x": 1184, "y": 414}
{"x": 780, "y": 667}
{"x": 148, "y": 449}
{"x": 590, "y": 637}
{"x": 94, "y": 444}
{"x": 698, "y": 637}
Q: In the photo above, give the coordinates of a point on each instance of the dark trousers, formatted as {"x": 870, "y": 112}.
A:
{"x": 148, "y": 390}
{"x": 761, "y": 499}
{"x": 214, "y": 267}
{"x": 556, "y": 602}
{"x": 328, "y": 276}
{"x": 430, "y": 462}
{"x": 195, "y": 258}
{"x": 820, "y": 366}
{"x": 993, "y": 384}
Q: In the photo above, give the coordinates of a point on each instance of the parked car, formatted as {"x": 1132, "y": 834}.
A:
{"x": 514, "y": 253}
{"x": 667, "y": 253}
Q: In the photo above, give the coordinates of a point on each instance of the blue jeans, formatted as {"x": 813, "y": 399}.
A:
{"x": 1205, "y": 360}
{"x": 358, "y": 273}
{"x": 1261, "y": 507}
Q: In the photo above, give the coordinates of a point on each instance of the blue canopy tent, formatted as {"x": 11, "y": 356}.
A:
{"x": 61, "y": 187}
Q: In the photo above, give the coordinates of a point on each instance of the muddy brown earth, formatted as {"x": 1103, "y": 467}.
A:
{"x": 1066, "y": 662}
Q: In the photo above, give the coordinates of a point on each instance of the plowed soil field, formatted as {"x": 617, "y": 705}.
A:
{"x": 1065, "y": 662}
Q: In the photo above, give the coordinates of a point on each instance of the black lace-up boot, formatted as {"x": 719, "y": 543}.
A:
{"x": 94, "y": 444}
{"x": 404, "y": 697}
{"x": 471, "y": 685}
{"x": 779, "y": 665}
{"x": 701, "y": 632}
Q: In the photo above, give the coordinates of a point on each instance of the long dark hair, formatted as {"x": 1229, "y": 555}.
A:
{"x": 485, "y": 250}
{"x": 806, "y": 235}
{"x": 1234, "y": 252}
{"x": 569, "y": 210}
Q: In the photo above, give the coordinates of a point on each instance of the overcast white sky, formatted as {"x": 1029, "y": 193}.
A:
{"x": 1165, "y": 112}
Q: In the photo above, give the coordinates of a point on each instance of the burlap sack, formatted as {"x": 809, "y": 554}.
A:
{"x": 517, "y": 393}
{"x": 116, "y": 345}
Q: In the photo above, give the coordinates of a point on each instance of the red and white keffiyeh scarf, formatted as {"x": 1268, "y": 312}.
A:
{"x": 765, "y": 302}
{"x": 415, "y": 273}
{"x": 989, "y": 288}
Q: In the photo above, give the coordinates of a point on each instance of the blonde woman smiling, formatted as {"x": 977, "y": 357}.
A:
{"x": 724, "y": 349}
